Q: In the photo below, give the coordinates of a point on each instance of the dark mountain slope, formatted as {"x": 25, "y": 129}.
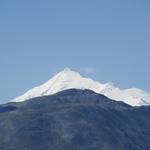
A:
{"x": 74, "y": 120}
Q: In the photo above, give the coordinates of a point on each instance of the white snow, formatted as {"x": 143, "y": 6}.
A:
{"x": 68, "y": 79}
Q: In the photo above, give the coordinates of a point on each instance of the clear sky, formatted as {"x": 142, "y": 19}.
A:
{"x": 108, "y": 40}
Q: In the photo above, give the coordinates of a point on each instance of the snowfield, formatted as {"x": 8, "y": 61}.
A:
{"x": 68, "y": 79}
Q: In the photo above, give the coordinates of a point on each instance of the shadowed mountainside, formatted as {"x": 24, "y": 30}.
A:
{"x": 74, "y": 120}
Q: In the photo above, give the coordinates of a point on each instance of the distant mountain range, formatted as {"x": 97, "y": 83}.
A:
{"x": 74, "y": 120}
{"x": 68, "y": 79}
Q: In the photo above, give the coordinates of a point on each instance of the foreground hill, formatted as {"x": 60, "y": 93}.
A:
{"x": 74, "y": 120}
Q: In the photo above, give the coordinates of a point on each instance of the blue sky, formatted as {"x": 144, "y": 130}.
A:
{"x": 103, "y": 39}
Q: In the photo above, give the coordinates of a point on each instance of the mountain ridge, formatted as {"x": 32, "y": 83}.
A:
{"x": 68, "y": 79}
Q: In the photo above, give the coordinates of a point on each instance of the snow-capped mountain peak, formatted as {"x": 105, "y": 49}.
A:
{"x": 65, "y": 79}
{"x": 68, "y": 79}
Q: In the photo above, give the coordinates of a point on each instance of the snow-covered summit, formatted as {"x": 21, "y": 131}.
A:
{"x": 65, "y": 79}
{"x": 68, "y": 79}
